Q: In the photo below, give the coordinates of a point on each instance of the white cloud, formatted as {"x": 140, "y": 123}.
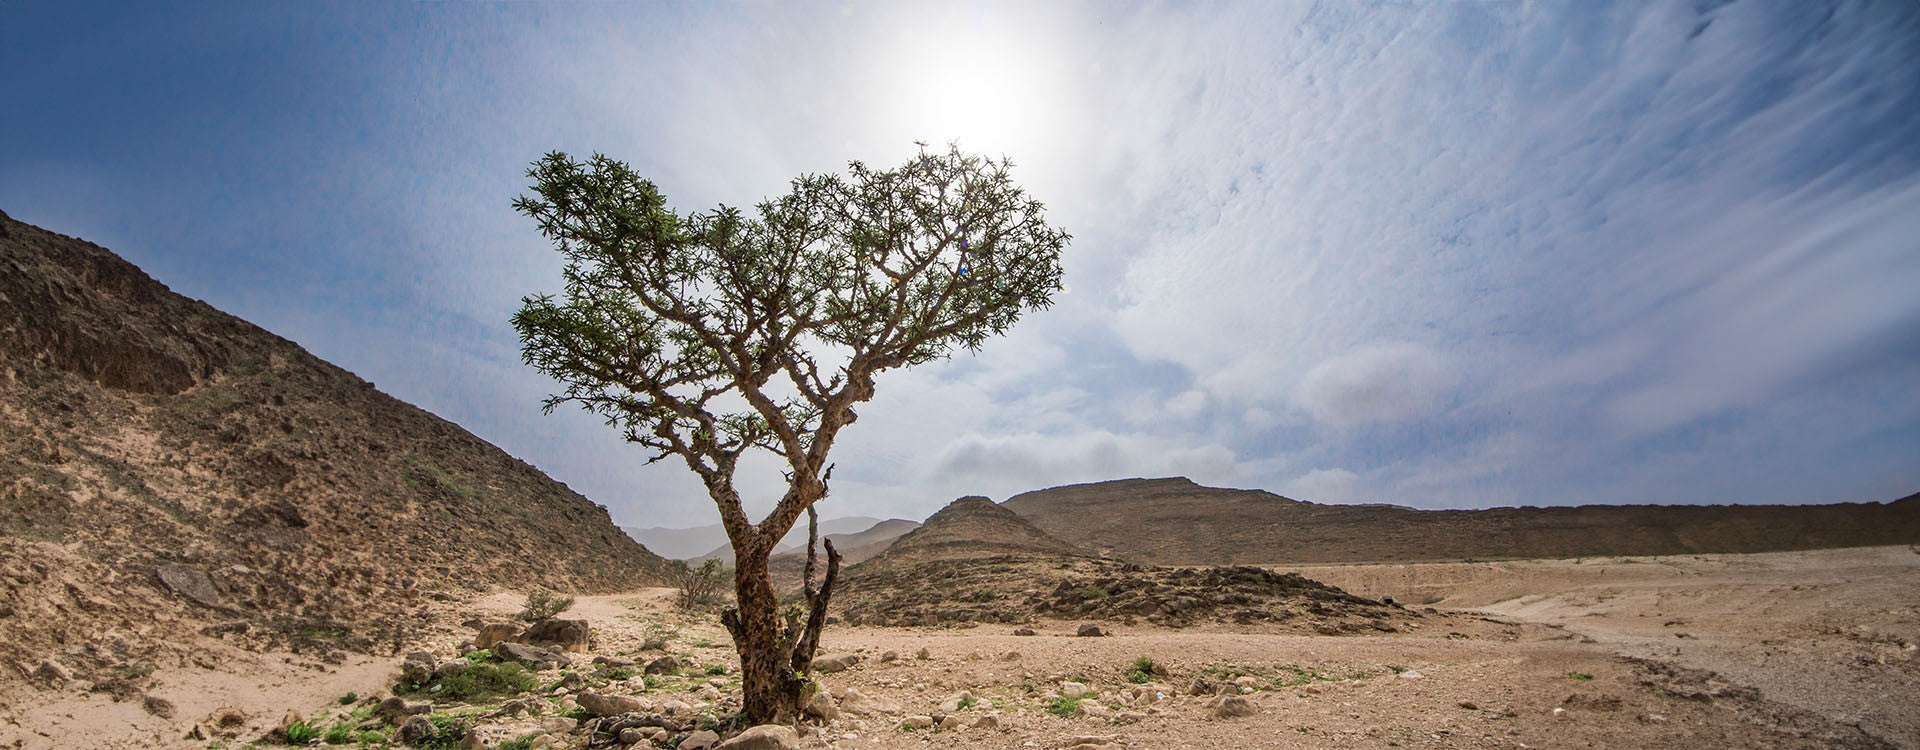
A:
{"x": 1375, "y": 383}
{"x": 1325, "y": 486}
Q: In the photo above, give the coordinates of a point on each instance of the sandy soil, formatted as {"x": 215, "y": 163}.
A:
{"x": 1812, "y": 649}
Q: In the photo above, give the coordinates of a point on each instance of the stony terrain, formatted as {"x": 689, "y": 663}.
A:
{"x": 174, "y": 478}
{"x": 1489, "y": 678}
{"x": 1176, "y": 522}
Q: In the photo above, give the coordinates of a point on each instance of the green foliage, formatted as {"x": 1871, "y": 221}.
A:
{"x": 544, "y": 605}
{"x": 349, "y": 698}
{"x": 1091, "y": 593}
{"x": 1063, "y": 706}
{"x": 481, "y": 680}
{"x": 302, "y": 732}
{"x": 968, "y": 702}
{"x": 338, "y": 734}
{"x": 894, "y": 267}
{"x": 1581, "y": 676}
{"x": 716, "y": 669}
{"x": 1141, "y": 671}
{"x": 523, "y": 742}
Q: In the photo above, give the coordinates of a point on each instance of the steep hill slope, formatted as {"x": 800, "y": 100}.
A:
{"x": 164, "y": 464}
{"x": 1176, "y": 522}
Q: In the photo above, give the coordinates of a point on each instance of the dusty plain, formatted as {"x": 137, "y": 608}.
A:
{"x": 1779, "y": 650}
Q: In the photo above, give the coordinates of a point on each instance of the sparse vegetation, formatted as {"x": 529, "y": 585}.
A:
{"x": 1092, "y": 593}
{"x": 477, "y": 680}
{"x": 338, "y": 734}
{"x": 1141, "y": 671}
{"x": 349, "y": 698}
{"x": 544, "y": 605}
{"x": 716, "y": 669}
{"x": 1063, "y": 706}
{"x": 302, "y": 732}
{"x": 700, "y": 588}
{"x": 1580, "y": 676}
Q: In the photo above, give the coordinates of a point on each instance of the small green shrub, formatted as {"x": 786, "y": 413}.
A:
{"x": 338, "y": 734}
{"x": 349, "y": 698}
{"x": 1063, "y": 706}
{"x": 1141, "y": 671}
{"x": 1581, "y": 676}
{"x": 302, "y": 732}
{"x": 523, "y": 742}
{"x": 543, "y": 605}
{"x": 478, "y": 681}
{"x": 716, "y": 669}
{"x": 1091, "y": 593}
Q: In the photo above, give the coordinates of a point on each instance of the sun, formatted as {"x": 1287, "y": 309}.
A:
{"x": 976, "y": 86}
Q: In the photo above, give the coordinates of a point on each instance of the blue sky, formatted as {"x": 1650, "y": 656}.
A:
{"x": 1440, "y": 255}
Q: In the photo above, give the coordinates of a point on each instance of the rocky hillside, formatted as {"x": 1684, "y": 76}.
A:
{"x": 854, "y": 548}
{"x": 1176, "y": 522}
{"x": 975, "y": 561}
{"x": 164, "y": 465}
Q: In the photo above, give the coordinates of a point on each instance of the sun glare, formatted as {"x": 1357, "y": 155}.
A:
{"x": 979, "y": 88}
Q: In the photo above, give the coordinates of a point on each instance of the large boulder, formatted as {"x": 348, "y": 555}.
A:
{"x": 665, "y": 665}
{"x": 701, "y": 740}
{"x": 835, "y": 663}
{"x": 492, "y": 633}
{"x": 191, "y": 583}
{"x": 535, "y": 657}
{"x": 566, "y": 635}
{"x": 764, "y": 737}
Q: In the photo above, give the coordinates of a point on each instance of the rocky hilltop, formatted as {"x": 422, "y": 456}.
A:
{"x": 975, "y": 561}
{"x": 171, "y": 472}
{"x": 1177, "y": 522}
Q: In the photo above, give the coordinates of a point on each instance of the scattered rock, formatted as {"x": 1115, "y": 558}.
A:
{"x": 559, "y": 724}
{"x": 491, "y": 634}
{"x": 1229, "y": 706}
{"x": 1411, "y": 675}
{"x": 394, "y": 710}
{"x": 609, "y": 705}
{"x": 415, "y": 730}
{"x": 1470, "y": 705}
{"x": 418, "y": 667}
{"x": 158, "y": 706}
{"x": 566, "y": 635}
{"x": 632, "y": 736}
{"x": 1202, "y": 686}
{"x": 701, "y": 740}
{"x": 764, "y": 737}
{"x": 1072, "y": 690}
{"x": 889, "y": 656}
{"x": 51, "y": 671}
{"x": 192, "y": 583}
{"x": 989, "y": 721}
{"x": 953, "y": 703}
{"x": 226, "y": 722}
{"x": 836, "y": 663}
{"x": 917, "y": 721}
{"x": 533, "y": 656}
{"x": 821, "y": 705}
{"x": 1010, "y": 656}
{"x": 1129, "y": 717}
{"x": 1024, "y": 631}
{"x": 612, "y": 662}
{"x": 1092, "y": 710}
{"x": 676, "y": 708}
{"x": 922, "y": 655}
{"x": 665, "y": 665}
{"x": 1089, "y": 630}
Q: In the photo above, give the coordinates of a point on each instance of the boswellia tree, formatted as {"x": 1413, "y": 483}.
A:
{"x": 707, "y": 335}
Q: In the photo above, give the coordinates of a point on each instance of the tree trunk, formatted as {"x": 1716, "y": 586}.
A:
{"x": 772, "y": 691}
{"x": 776, "y": 650}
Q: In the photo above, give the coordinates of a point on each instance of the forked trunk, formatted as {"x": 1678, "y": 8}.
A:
{"x": 776, "y": 650}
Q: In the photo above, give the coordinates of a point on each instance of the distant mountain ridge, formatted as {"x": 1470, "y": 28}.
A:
{"x": 163, "y": 463}
{"x": 1173, "y": 521}
{"x": 700, "y": 543}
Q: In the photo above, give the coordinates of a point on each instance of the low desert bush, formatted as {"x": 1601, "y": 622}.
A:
{"x": 543, "y": 605}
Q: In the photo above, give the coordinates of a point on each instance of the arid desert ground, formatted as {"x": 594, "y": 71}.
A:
{"x": 1799, "y": 649}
